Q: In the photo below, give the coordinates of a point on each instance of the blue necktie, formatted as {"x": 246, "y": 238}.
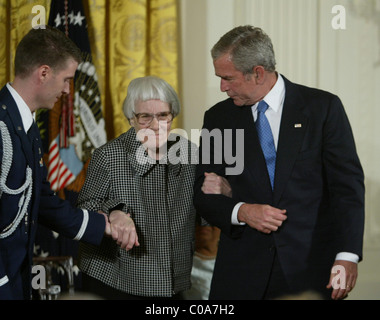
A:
{"x": 266, "y": 139}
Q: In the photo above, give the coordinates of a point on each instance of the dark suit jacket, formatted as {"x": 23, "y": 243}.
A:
{"x": 319, "y": 181}
{"x": 16, "y": 250}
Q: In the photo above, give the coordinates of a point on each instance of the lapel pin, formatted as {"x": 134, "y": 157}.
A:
{"x": 298, "y": 125}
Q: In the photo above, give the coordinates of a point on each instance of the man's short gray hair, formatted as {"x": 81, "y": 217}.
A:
{"x": 248, "y": 47}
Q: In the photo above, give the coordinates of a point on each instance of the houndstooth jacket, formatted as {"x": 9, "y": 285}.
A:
{"x": 159, "y": 198}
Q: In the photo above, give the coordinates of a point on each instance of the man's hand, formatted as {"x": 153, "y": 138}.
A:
{"x": 263, "y": 218}
{"x": 214, "y": 184}
{"x": 123, "y": 229}
{"x": 349, "y": 272}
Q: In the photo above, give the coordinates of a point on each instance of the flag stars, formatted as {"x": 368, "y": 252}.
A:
{"x": 57, "y": 20}
{"x": 72, "y": 19}
{"x": 78, "y": 19}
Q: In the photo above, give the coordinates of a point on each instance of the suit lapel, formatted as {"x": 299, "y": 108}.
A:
{"x": 293, "y": 125}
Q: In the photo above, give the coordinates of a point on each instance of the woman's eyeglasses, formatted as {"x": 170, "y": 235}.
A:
{"x": 145, "y": 119}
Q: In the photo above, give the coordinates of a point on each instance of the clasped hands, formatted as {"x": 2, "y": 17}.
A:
{"x": 122, "y": 229}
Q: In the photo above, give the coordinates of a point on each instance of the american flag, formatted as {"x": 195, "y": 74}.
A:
{"x": 80, "y": 126}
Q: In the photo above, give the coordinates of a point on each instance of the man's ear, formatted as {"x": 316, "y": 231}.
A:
{"x": 44, "y": 72}
{"x": 258, "y": 74}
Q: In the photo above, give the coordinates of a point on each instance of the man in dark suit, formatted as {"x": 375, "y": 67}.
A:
{"x": 45, "y": 62}
{"x": 293, "y": 219}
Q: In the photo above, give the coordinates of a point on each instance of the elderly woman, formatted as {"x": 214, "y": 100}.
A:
{"x": 152, "y": 199}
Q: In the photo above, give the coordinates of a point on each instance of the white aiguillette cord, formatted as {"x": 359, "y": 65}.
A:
{"x": 25, "y": 188}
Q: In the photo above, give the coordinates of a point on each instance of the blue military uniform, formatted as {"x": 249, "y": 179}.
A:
{"x": 26, "y": 198}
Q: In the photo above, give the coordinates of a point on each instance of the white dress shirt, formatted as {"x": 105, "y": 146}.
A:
{"x": 26, "y": 114}
{"x": 275, "y": 100}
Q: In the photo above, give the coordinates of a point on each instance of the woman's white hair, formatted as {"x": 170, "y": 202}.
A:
{"x": 150, "y": 88}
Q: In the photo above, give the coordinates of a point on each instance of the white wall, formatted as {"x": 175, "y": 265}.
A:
{"x": 308, "y": 51}
{"x": 291, "y": 24}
